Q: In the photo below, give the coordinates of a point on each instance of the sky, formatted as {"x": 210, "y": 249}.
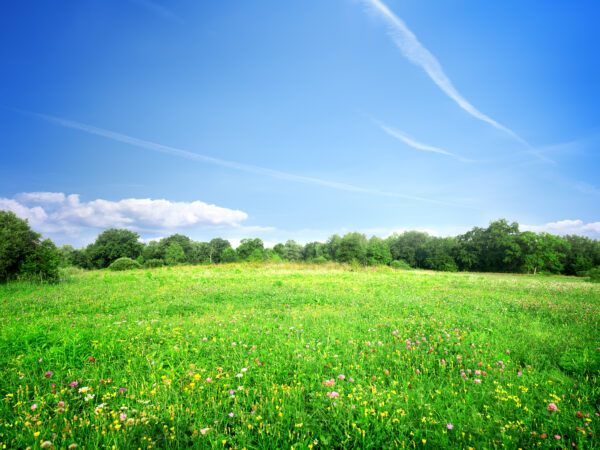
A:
{"x": 299, "y": 119}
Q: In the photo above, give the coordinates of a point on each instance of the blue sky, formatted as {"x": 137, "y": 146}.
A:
{"x": 299, "y": 119}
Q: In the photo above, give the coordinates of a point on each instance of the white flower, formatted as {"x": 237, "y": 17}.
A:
{"x": 84, "y": 389}
{"x": 88, "y": 397}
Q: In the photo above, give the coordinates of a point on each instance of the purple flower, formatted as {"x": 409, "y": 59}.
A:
{"x": 73, "y": 383}
{"x": 449, "y": 426}
{"x": 48, "y": 374}
{"x": 122, "y": 390}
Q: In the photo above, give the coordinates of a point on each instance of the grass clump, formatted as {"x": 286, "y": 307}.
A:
{"x": 124, "y": 264}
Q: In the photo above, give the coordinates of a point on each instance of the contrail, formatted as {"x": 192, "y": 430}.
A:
{"x": 415, "y": 52}
{"x": 119, "y": 137}
{"x": 418, "y": 145}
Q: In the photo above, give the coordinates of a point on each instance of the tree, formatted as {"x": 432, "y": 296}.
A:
{"x": 217, "y": 247}
{"x": 314, "y": 250}
{"x": 409, "y": 246}
{"x": 378, "y": 252}
{"x": 353, "y": 247}
{"x": 66, "y": 252}
{"x": 174, "y": 254}
{"x": 184, "y": 242}
{"x": 292, "y": 251}
{"x": 542, "y": 252}
{"x": 22, "y": 253}
{"x": 113, "y": 244}
{"x": 250, "y": 247}
{"x": 229, "y": 255}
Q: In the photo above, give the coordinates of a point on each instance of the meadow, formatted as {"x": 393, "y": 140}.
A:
{"x": 298, "y": 356}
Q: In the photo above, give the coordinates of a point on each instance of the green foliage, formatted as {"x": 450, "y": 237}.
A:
{"x": 229, "y": 255}
{"x": 250, "y": 249}
{"x": 594, "y": 274}
{"x": 378, "y": 252}
{"x": 174, "y": 254}
{"x": 353, "y": 248}
{"x": 292, "y": 251}
{"x": 319, "y": 260}
{"x": 113, "y": 244}
{"x": 124, "y": 264}
{"x": 22, "y": 253}
{"x": 400, "y": 264}
{"x": 153, "y": 263}
{"x": 216, "y": 248}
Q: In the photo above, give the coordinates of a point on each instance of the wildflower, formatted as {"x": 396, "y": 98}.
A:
{"x": 34, "y": 406}
{"x": 122, "y": 390}
{"x": 328, "y": 382}
{"x": 508, "y": 351}
{"x": 230, "y": 414}
{"x": 519, "y": 374}
{"x": 209, "y": 380}
{"x": 48, "y": 375}
{"x": 72, "y": 447}
{"x": 351, "y": 380}
{"x": 73, "y": 383}
{"x": 61, "y": 404}
{"x": 341, "y": 377}
{"x": 122, "y": 417}
{"x": 333, "y": 394}
{"x": 46, "y": 444}
{"x": 557, "y": 437}
{"x": 84, "y": 389}
{"x": 89, "y": 397}
{"x": 552, "y": 407}
{"x": 579, "y": 414}
{"x": 477, "y": 380}
{"x": 204, "y": 430}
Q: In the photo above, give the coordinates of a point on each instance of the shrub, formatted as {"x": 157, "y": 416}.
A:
{"x": 594, "y": 275}
{"x": 124, "y": 264}
{"x": 155, "y": 262}
{"x": 319, "y": 260}
{"x": 400, "y": 264}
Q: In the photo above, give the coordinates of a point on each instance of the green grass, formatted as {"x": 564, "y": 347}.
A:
{"x": 144, "y": 343}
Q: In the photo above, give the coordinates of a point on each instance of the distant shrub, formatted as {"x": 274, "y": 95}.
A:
{"x": 319, "y": 260}
{"x": 400, "y": 264}
{"x": 124, "y": 264}
{"x": 152, "y": 263}
{"x": 594, "y": 274}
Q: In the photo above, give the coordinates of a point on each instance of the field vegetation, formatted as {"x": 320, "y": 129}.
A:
{"x": 299, "y": 356}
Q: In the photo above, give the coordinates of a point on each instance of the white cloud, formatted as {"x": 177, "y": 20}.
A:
{"x": 564, "y": 227}
{"x": 57, "y": 213}
{"x": 416, "y": 53}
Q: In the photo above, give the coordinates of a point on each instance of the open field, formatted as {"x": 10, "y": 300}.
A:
{"x": 283, "y": 356}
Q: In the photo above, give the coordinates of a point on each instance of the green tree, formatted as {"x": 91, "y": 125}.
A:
{"x": 229, "y": 255}
{"x": 353, "y": 247}
{"x": 378, "y": 252}
{"x": 174, "y": 254}
{"x": 409, "y": 246}
{"x": 22, "y": 253}
{"x": 217, "y": 247}
{"x": 542, "y": 252}
{"x": 314, "y": 250}
{"x": 112, "y": 244}
{"x": 292, "y": 251}
{"x": 250, "y": 247}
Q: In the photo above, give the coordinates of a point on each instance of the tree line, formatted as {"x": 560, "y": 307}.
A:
{"x": 501, "y": 247}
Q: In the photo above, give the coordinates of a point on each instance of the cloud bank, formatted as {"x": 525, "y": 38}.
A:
{"x": 55, "y": 212}
{"x": 564, "y": 227}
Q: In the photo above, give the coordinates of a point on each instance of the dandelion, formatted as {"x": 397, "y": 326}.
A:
{"x": 552, "y": 407}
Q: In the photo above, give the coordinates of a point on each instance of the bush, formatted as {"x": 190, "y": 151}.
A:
{"x": 124, "y": 264}
{"x": 400, "y": 264}
{"x": 152, "y": 263}
{"x": 594, "y": 275}
{"x": 319, "y": 260}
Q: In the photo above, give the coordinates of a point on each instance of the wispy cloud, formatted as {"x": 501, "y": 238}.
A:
{"x": 415, "y": 52}
{"x": 119, "y": 137}
{"x": 418, "y": 145}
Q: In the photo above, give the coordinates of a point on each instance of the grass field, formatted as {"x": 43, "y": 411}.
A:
{"x": 284, "y": 356}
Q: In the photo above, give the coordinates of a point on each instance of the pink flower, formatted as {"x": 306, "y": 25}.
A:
{"x": 341, "y": 377}
{"x": 209, "y": 380}
{"x": 61, "y": 404}
{"x": 123, "y": 417}
{"x": 34, "y": 406}
{"x": 477, "y": 380}
{"x": 508, "y": 351}
{"x": 122, "y": 390}
{"x": 204, "y": 430}
{"x": 519, "y": 374}
{"x": 449, "y": 426}
{"x": 557, "y": 436}
{"x": 73, "y": 383}
{"x": 48, "y": 374}
{"x": 351, "y": 380}
{"x": 230, "y": 414}
{"x": 333, "y": 394}
{"x": 328, "y": 382}
{"x": 552, "y": 407}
